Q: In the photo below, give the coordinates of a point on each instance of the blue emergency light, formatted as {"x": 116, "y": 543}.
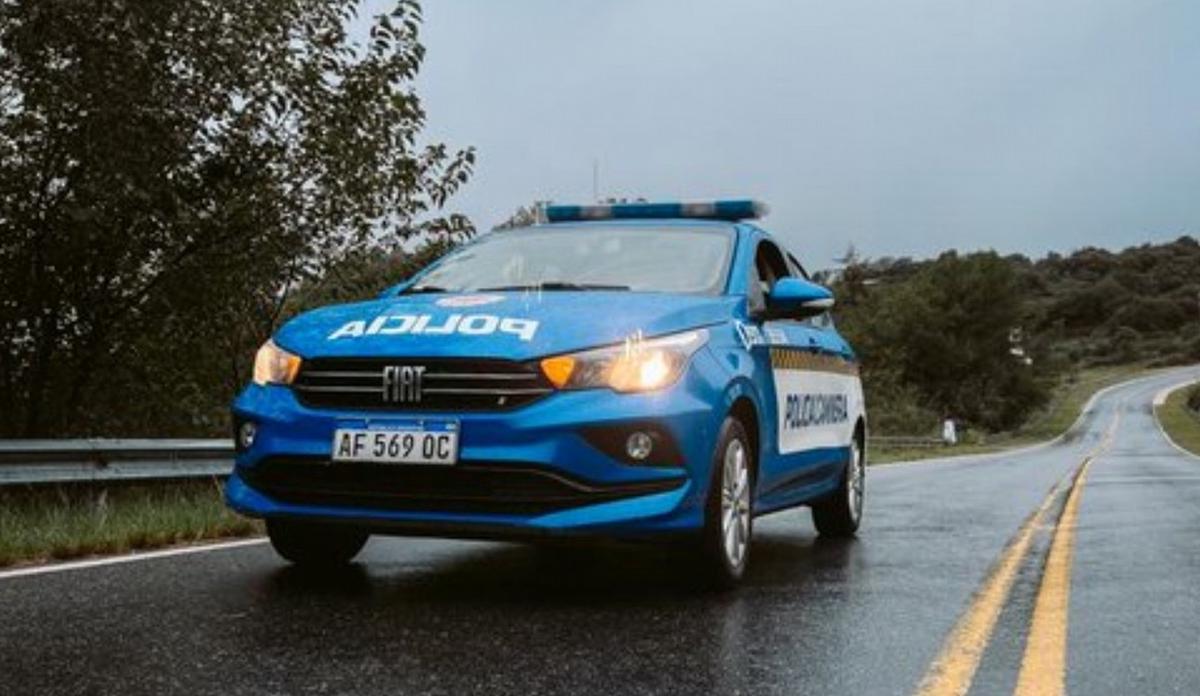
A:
{"x": 714, "y": 210}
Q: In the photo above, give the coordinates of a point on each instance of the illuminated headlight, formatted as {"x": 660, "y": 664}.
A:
{"x": 274, "y": 365}
{"x": 635, "y": 366}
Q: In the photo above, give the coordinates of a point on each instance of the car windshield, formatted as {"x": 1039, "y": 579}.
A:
{"x": 649, "y": 259}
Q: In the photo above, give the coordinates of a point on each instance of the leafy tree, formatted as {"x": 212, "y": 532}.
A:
{"x": 523, "y": 216}
{"x": 1150, "y": 314}
{"x": 362, "y": 275}
{"x": 945, "y": 335}
{"x": 170, "y": 172}
{"x": 1089, "y": 305}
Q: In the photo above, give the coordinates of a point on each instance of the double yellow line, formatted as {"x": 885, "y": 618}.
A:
{"x": 1043, "y": 666}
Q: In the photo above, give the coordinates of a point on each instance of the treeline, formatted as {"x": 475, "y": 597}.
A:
{"x": 175, "y": 178}
{"x": 983, "y": 338}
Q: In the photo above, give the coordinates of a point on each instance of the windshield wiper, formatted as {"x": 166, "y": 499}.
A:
{"x": 422, "y": 289}
{"x": 552, "y": 285}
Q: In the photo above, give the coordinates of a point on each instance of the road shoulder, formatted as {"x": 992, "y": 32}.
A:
{"x": 1179, "y": 425}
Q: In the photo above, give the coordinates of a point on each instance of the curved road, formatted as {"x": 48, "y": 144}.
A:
{"x": 956, "y": 582}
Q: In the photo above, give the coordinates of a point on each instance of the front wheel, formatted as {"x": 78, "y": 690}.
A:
{"x": 728, "y": 520}
{"x": 313, "y": 543}
{"x": 839, "y": 514}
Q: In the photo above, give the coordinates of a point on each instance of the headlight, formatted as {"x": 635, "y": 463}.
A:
{"x": 274, "y": 365}
{"x": 637, "y": 365}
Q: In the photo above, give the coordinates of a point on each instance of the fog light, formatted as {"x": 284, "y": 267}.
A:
{"x": 638, "y": 446}
{"x": 246, "y": 435}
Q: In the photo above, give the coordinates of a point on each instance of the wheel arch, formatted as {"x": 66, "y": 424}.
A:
{"x": 745, "y": 411}
{"x": 743, "y": 401}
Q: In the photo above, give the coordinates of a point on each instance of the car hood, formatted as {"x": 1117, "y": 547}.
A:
{"x": 512, "y": 325}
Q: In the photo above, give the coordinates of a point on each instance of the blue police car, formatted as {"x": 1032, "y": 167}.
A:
{"x": 621, "y": 371}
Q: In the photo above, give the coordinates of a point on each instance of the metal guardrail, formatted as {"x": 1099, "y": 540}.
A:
{"x": 74, "y": 461}
{"x": 905, "y": 441}
{"x": 101, "y": 459}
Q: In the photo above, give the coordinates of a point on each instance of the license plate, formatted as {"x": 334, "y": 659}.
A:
{"x": 407, "y": 443}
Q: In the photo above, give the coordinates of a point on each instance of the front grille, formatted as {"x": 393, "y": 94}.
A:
{"x": 447, "y": 384}
{"x": 473, "y": 487}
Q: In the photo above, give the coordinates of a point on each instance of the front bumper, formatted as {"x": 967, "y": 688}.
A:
{"x": 524, "y": 473}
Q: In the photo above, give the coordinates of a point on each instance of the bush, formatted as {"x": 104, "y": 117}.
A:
{"x": 897, "y": 409}
{"x": 1146, "y": 314}
{"x": 1089, "y": 305}
{"x": 1193, "y": 399}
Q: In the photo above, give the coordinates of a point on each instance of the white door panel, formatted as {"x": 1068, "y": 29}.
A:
{"x": 818, "y": 400}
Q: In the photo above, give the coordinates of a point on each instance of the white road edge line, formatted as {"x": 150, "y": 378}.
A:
{"x": 127, "y": 558}
{"x": 1160, "y": 399}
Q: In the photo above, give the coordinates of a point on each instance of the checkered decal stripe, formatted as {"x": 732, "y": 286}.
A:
{"x": 792, "y": 359}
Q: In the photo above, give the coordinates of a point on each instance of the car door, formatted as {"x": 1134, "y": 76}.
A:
{"x": 793, "y": 356}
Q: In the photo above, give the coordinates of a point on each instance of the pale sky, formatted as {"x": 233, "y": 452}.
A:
{"x": 903, "y": 126}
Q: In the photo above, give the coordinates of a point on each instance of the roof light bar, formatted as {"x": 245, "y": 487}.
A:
{"x": 715, "y": 210}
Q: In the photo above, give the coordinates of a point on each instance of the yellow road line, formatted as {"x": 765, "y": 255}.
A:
{"x": 1044, "y": 664}
{"x": 954, "y": 669}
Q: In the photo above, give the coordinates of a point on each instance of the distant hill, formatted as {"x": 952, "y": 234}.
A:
{"x": 983, "y": 336}
{"x": 1098, "y": 306}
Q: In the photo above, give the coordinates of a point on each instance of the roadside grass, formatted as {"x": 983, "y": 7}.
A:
{"x": 1064, "y": 407}
{"x": 1180, "y": 422}
{"x": 62, "y": 522}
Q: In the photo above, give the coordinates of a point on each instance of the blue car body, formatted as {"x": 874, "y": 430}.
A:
{"x": 549, "y": 466}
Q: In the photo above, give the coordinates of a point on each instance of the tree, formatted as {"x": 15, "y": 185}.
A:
{"x": 523, "y": 216}
{"x": 169, "y": 172}
{"x": 944, "y": 335}
{"x": 1088, "y": 305}
{"x": 363, "y": 275}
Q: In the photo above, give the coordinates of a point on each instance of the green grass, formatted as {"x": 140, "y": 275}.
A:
{"x": 39, "y": 524}
{"x": 1180, "y": 422}
{"x": 1054, "y": 419}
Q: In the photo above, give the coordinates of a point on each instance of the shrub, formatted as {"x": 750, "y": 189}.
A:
{"x": 1150, "y": 314}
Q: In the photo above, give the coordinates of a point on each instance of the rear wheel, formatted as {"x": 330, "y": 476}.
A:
{"x": 839, "y": 514}
{"x": 315, "y": 544}
{"x": 728, "y": 520}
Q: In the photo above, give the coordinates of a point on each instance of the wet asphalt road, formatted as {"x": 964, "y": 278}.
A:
{"x": 866, "y": 616}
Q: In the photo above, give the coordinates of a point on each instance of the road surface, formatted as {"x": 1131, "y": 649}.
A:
{"x": 1074, "y": 565}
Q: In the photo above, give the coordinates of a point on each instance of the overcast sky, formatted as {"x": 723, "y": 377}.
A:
{"x": 904, "y": 127}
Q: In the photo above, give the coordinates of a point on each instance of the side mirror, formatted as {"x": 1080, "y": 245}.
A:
{"x": 796, "y": 298}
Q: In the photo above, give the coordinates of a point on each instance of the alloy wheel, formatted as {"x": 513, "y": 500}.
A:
{"x": 735, "y": 503}
{"x": 855, "y": 481}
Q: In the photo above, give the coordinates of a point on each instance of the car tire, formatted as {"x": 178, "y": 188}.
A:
{"x": 315, "y": 544}
{"x": 728, "y": 514}
{"x": 840, "y": 514}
